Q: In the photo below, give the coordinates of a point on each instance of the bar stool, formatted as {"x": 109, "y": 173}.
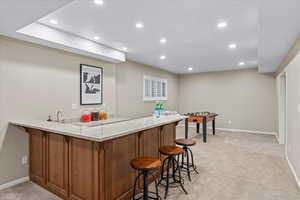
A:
{"x": 172, "y": 164}
{"x": 188, "y": 154}
{"x": 146, "y": 166}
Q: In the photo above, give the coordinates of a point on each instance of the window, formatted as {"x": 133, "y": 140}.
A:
{"x": 155, "y": 89}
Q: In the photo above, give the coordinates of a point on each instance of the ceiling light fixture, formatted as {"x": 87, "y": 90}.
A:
{"x": 162, "y": 57}
{"x": 96, "y": 38}
{"x": 232, "y": 46}
{"x": 222, "y": 25}
{"x": 99, "y": 2}
{"x": 139, "y": 25}
{"x": 163, "y": 40}
{"x": 124, "y": 49}
{"x": 241, "y": 63}
{"x": 190, "y": 68}
{"x": 53, "y": 21}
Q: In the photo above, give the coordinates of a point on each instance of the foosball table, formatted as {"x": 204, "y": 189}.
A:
{"x": 201, "y": 118}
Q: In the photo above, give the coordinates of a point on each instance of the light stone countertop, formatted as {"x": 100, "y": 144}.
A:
{"x": 102, "y": 132}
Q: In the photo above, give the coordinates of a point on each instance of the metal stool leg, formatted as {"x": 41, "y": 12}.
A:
{"x": 193, "y": 164}
{"x": 145, "y": 196}
{"x": 174, "y": 166}
{"x": 182, "y": 159}
{"x": 187, "y": 162}
{"x": 174, "y": 169}
{"x": 180, "y": 178}
{"x": 156, "y": 183}
{"x": 135, "y": 182}
{"x": 156, "y": 188}
{"x": 167, "y": 179}
{"x": 162, "y": 171}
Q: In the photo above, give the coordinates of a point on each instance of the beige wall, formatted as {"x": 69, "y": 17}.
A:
{"x": 129, "y": 75}
{"x": 245, "y": 97}
{"x": 293, "y": 113}
{"x": 36, "y": 81}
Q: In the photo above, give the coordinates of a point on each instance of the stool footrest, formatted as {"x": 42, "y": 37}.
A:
{"x": 171, "y": 171}
{"x": 175, "y": 183}
{"x": 150, "y": 193}
{"x": 187, "y": 162}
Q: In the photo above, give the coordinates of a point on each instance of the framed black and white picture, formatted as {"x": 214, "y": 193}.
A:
{"x": 91, "y": 85}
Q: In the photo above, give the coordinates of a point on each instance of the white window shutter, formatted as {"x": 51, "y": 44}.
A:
{"x": 154, "y": 89}
{"x": 147, "y": 88}
{"x": 159, "y": 87}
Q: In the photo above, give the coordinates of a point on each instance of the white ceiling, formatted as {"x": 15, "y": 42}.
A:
{"x": 279, "y": 28}
{"x": 263, "y": 30}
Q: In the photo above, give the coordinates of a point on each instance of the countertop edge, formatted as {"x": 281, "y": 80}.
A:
{"x": 78, "y": 135}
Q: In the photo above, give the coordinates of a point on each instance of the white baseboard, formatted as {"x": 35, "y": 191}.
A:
{"x": 193, "y": 125}
{"x": 245, "y": 131}
{"x": 14, "y": 182}
{"x": 293, "y": 171}
{"x": 278, "y": 140}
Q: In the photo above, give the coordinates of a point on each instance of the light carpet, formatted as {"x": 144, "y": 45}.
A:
{"x": 231, "y": 165}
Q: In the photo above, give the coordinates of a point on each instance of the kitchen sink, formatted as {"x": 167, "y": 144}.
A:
{"x": 76, "y": 122}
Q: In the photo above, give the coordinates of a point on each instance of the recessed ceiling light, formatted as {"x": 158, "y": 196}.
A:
{"x": 241, "y": 63}
{"x": 232, "y": 46}
{"x": 139, "y": 25}
{"x": 53, "y": 21}
{"x": 96, "y": 38}
{"x": 190, "y": 68}
{"x": 124, "y": 48}
{"x": 99, "y": 2}
{"x": 222, "y": 25}
{"x": 163, "y": 40}
{"x": 162, "y": 57}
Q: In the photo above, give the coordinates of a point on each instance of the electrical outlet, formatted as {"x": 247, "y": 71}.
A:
{"x": 229, "y": 122}
{"x": 24, "y": 160}
{"x": 74, "y": 106}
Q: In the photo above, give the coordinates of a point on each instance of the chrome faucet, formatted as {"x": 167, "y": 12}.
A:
{"x": 59, "y": 116}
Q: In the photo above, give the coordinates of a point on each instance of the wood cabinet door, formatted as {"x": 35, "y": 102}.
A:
{"x": 121, "y": 178}
{"x": 149, "y": 141}
{"x": 168, "y": 134}
{"x": 83, "y": 170}
{"x": 37, "y": 142}
{"x": 57, "y": 164}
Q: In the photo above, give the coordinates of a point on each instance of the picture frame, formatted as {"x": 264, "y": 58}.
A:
{"x": 91, "y": 85}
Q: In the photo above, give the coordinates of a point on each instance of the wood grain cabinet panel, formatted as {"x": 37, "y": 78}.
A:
{"x": 57, "y": 164}
{"x": 149, "y": 141}
{"x": 37, "y": 142}
{"x": 168, "y": 134}
{"x": 78, "y": 169}
{"x": 83, "y": 170}
{"x": 123, "y": 150}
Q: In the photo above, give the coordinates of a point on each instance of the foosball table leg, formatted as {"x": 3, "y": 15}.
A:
{"x": 186, "y": 128}
{"x": 198, "y": 127}
{"x": 204, "y": 130}
{"x": 214, "y": 126}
